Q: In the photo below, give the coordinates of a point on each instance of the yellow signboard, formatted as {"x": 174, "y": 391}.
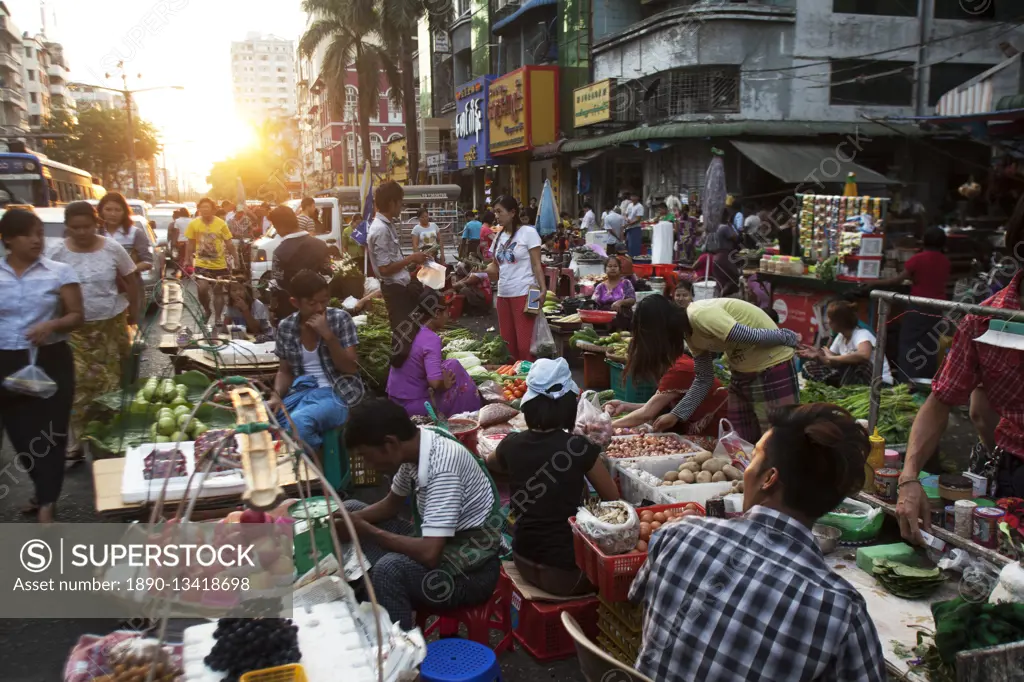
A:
{"x": 593, "y": 103}
{"x": 522, "y": 109}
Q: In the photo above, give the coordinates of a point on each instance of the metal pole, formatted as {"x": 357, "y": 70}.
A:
{"x": 935, "y": 304}
{"x": 131, "y": 144}
{"x": 877, "y": 361}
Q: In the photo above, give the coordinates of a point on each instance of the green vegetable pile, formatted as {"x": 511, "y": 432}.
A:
{"x": 961, "y": 625}
{"x": 491, "y": 349}
{"x": 374, "y": 351}
{"x": 722, "y": 373}
{"x": 896, "y": 407}
{"x": 827, "y": 269}
{"x": 908, "y": 582}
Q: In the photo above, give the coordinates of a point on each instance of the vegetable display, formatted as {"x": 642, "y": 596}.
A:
{"x": 647, "y": 446}
{"x": 897, "y": 406}
{"x": 514, "y": 388}
{"x": 613, "y": 526}
{"x": 651, "y": 521}
{"x": 550, "y": 303}
{"x": 908, "y": 582}
{"x": 962, "y": 625}
{"x": 491, "y": 349}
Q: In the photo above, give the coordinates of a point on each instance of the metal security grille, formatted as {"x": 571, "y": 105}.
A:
{"x": 679, "y": 92}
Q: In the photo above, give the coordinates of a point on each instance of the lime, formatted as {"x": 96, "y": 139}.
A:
{"x": 182, "y": 420}
{"x": 166, "y": 425}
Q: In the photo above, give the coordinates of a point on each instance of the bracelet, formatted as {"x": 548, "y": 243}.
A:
{"x": 900, "y": 485}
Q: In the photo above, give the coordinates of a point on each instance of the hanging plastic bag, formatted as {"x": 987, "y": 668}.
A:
{"x": 543, "y": 344}
{"x": 591, "y": 421}
{"x": 614, "y": 526}
{"x": 731, "y": 446}
{"x": 31, "y": 380}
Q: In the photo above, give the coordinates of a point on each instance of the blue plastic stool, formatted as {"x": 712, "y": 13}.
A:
{"x": 459, "y": 660}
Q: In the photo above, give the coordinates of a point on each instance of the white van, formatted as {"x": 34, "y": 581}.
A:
{"x": 337, "y": 205}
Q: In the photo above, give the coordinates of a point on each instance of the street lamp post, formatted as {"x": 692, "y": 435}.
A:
{"x": 127, "y": 95}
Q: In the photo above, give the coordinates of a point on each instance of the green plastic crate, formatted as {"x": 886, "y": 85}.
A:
{"x": 336, "y": 464}
{"x": 624, "y": 387}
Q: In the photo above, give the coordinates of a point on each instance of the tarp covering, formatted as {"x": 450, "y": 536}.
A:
{"x": 523, "y": 9}
{"x": 795, "y": 163}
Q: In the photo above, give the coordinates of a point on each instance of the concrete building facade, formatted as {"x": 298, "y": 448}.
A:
{"x": 36, "y": 77}
{"x": 263, "y": 77}
{"x": 13, "y": 104}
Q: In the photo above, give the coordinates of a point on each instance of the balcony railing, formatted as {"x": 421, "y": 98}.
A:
{"x": 7, "y": 60}
{"x": 13, "y": 96}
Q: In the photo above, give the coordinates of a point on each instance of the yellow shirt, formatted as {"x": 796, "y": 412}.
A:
{"x": 210, "y": 242}
{"x": 712, "y": 320}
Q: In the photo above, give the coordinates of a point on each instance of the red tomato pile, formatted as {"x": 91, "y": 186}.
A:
{"x": 514, "y": 388}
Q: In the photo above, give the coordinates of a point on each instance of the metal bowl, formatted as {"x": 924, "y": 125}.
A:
{"x": 827, "y": 537}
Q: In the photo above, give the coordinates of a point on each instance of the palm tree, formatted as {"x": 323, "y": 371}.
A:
{"x": 351, "y": 29}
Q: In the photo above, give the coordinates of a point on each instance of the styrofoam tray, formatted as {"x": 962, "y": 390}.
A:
{"x": 241, "y": 352}
{"x": 331, "y": 645}
{"x": 692, "y": 492}
{"x": 684, "y": 446}
{"x": 135, "y": 488}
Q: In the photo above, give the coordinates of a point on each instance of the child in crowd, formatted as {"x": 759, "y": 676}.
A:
{"x": 246, "y": 310}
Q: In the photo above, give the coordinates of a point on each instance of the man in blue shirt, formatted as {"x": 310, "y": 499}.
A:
{"x": 470, "y": 236}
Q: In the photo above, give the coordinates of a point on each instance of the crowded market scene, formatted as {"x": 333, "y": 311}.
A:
{"x": 459, "y": 351}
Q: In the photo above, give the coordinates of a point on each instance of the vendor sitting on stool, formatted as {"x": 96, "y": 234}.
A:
{"x": 318, "y": 378}
{"x": 476, "y": 288}
{"x": 542, "y": 546}
{"x": 616, "y": 293}
{"x": 753, "y": 598}
{"x": 847, "y": 361}
{"x": 447, "y": 557}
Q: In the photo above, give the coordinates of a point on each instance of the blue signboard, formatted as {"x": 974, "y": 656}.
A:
{"x": 471, "y": 126}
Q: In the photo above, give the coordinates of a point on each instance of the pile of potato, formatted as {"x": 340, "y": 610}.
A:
{"x": 703, "y": 468}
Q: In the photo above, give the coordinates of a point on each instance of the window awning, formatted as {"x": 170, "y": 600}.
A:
{"x": 795, "y": 163}
{"x": 523, "y": 9}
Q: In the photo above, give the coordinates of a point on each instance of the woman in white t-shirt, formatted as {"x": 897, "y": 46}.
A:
{"x": 108, "y": 284}
{"x": 848, "y": 360}
{"x": 516, "y": 268}
{"x": 425, "y": 234}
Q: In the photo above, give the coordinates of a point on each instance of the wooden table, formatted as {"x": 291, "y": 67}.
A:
{"x": 201, "y": 360}
{"x": 106, "y": 480}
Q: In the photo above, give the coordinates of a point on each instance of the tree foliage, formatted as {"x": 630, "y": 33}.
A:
{"x": 97, "y": 141}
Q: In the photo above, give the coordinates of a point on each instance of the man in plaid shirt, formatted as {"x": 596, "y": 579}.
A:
{"x": 752, "y": 598}
{"x": 971, "y": 365}
{"x": 318, "y": 378}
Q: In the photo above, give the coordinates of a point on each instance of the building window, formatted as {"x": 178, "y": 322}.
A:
{"x": 976, "y": 9}
{"x": 375, "y": 144}
{"x": 945, "y": 77}
{"x": 33, "y": 97}
{"x": 889, "y": 8}
{"x": 351, "y": 102}
{"x": 882, "y": 83}
{"x": 31, "y": 74}
{"x": 394, "y": 111}
{"x": 28, "y": 52}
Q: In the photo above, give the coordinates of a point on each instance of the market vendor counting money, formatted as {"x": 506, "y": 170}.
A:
{"x": 759, "y": 355}
{"x": 448, "y": 556}
{"x": 753, "y": 598}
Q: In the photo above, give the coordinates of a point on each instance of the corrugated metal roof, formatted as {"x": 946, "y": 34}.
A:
{"x": 676, "y": 131}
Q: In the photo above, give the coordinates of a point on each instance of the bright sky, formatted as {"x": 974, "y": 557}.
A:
{"x": 168, "y": 42}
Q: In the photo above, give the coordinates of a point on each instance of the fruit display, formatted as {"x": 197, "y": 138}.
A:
{"x": 228, "y": 458}
{"x": 244, "y": 644}
{"x": 164, "y": 464}
{"x": 651, "y": 521}
{"x": 155, "y": 391}
{"x": 550, "y": 303}
{"x": 647, "y": 446}
{"x": 514, "y": 388}
{"x": 172, "y": 425}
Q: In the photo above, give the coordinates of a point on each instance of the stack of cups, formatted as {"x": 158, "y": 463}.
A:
{"x": 963, "y": 513}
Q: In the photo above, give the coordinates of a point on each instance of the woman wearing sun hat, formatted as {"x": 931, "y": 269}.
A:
{"x": 548, "y": 469}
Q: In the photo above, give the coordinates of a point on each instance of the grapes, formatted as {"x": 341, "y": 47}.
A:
{"x": 251, "y": 644}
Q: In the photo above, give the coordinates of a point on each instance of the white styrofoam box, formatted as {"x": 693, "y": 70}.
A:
{"x": 869, "y": 269}
{"x": 633, "y": 489}
{"x": 135, "y": 488}
{"x": 330, "y": 642}
{"x": 691, "y": 492}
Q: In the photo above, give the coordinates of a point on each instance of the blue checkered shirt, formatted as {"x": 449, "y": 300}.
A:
{"x": 348, "y": 387}
{"x": 750, "y": 598}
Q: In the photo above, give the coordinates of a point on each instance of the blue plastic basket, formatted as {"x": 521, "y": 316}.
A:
{"x": 624, "y": 387}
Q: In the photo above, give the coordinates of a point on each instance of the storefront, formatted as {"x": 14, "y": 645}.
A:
{"x": 522, "y": 114}
{"x": 471, "y": 136}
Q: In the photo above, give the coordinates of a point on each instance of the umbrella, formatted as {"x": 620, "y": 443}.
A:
{"x": 547, "y": 214}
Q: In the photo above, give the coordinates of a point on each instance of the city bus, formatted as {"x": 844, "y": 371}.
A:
{"x": 32, "y": 178}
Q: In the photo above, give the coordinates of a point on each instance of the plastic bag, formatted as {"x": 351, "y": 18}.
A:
{"x": 731, "y": 446}
{"x": 543, "y": 344}
{"x": 31, "y": 380}
{"x": 592, "y": 421}
{"x": 611, "y": 537}
{"x": 491, "y": 391}
{"x": 371, "y": 285}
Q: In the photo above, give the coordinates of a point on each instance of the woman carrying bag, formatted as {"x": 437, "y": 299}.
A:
{"x": 516, "y": 268}
{"x": 40, "y": 302}
{"x": 117, "y": 222}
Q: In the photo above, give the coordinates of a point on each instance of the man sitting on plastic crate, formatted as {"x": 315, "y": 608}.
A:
{"x": 447, "y": 557}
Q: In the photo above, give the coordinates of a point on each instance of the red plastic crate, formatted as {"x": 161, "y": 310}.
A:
{"x": 643, "y": 271}
{"x": 613, "y": 574}
{"x": 537, "y": 626}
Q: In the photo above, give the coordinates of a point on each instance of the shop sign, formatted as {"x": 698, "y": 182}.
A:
{"x": 522, "y": 109}
{"x": 471, "y": 129}
{"x": 441, "y": 43}
{"x": 437, "y": 162}
{"x": 593, "y": 103}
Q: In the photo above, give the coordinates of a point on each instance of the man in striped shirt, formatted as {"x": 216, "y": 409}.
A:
{"x": 307, "y": 216}
{"x": 448, "y": 556}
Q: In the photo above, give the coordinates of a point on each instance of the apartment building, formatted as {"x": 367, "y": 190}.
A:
{"x": 263, "y": 77}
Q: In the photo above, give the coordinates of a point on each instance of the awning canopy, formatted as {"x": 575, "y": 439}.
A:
{"x": 696, "y": 129}
{"x": 523, "y": 9}
{"x": 795, "y": 163}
